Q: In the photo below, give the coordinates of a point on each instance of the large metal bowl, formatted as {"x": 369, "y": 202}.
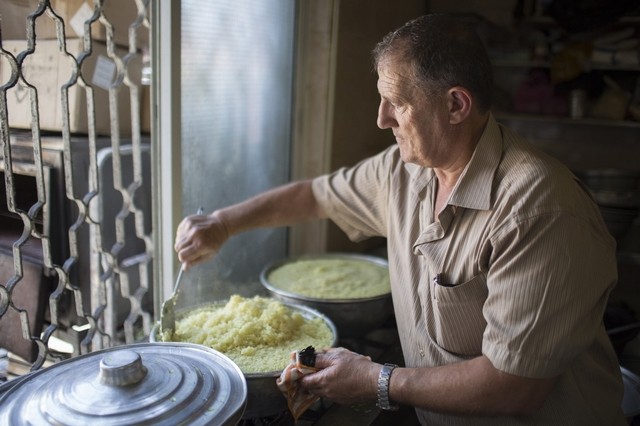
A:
{"x": 352, "y": 317}
{"x": 263, "y": 396}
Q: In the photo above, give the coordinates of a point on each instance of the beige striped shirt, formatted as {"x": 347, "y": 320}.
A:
{"x": 524, "y": 265}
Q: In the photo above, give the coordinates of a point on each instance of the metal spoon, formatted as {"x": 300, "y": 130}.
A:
{"x": 167, "y": 315}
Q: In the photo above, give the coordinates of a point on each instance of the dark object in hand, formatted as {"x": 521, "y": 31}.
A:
{"x": 308, "y": 356}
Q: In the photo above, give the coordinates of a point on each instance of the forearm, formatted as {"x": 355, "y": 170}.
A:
{"x": 473, "y": 386}
{"x": 282, "y": 206}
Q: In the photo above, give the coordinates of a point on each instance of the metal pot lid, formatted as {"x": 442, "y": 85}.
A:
{"x": 145, "y": 383}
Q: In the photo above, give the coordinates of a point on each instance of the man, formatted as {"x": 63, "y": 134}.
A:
{"x": 500, "y": 263}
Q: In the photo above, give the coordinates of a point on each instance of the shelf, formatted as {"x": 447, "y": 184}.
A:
{"x": 521, "y": 58}
{"x": 629, "y": 258}
{"x": 565, "y": 120}
{"x": 548, "y": 20}
{"x": 506, "y": 63}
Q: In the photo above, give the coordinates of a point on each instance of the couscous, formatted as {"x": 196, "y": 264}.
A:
{"x": 257, "y": 333}
{"x": 332, "y": 278}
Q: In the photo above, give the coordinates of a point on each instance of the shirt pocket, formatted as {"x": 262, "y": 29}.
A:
{"x": 457, "y": 312}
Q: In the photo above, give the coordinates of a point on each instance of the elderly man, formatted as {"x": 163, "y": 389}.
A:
{"x": 500, "y": 263}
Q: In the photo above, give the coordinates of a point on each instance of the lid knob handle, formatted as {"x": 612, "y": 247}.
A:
{"x": 121, "y": 368}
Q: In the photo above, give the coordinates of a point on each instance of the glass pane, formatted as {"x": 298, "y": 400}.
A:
{"x": 237, "y": 72}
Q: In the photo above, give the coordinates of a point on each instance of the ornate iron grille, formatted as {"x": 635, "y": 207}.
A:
{"x": 96, "y": 286}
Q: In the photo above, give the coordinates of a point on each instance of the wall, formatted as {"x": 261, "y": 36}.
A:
{"x": 355, "y": 134}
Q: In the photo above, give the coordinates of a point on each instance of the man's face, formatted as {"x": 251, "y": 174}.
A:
{"x": 419, "y": 122}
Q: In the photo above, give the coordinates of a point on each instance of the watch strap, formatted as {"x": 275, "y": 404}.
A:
{"x": 384, "y": 377}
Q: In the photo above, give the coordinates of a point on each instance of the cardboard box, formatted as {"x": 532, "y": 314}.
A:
{"x": 120, "y": 13}
{"x": 49, "y": 71}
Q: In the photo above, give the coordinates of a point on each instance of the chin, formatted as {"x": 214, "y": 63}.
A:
{"x": 409, "y": 158}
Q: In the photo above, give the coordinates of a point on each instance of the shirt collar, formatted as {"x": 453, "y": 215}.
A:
{"x": 473, "y": 189}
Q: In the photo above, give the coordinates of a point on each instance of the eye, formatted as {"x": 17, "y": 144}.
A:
{"x": 391, "y": 103}
{"x": 400, "y": 107}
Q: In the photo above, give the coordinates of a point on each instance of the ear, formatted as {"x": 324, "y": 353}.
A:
{"x": 460, "y": 103}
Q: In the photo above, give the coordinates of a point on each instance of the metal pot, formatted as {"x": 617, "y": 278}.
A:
{"x": 611, "y": 179}
{"x": 263, "y": 396}
{"x": 146, "y": 383}
{"x": 352, "y": 317}
{"x": 617, "y": 193}
{"x": 631, "y": 398}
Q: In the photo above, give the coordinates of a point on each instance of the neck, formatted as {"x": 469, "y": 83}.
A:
{"x": 470, "y": 134}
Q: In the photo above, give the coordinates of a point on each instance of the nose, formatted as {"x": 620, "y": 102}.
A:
{"x": 385, "y": 117}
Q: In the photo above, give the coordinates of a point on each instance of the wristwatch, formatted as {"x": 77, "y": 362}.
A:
{"x": 383, "y": 388}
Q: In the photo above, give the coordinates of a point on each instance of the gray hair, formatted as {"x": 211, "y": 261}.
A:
{"x": 443, "y": 52}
